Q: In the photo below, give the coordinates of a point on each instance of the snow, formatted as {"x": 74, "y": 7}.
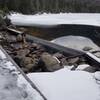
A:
{"x": 93, "y": 56}
{"x": 82, "y": 66}
{"x": 97, "y": 75}
{"x": 76, "y": 42}
{"x": 56, "y": 19}
{"x": 2, "y": 55}
{"x": 65, "y": 84}
{"x": 23, "y": 83}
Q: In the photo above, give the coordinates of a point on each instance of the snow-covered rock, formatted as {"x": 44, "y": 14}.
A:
{"x": 76, "y": 42}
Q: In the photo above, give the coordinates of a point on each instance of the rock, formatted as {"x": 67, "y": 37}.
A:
{"x": 97, "y": 54}
{"x": 58, "y": 55}
{"x": 51, "y": 63}
{"x": 20, "y": 55}
{"x": 73, "y": 60}
{"x": 87, "y": 48}
{"x": 7, "y": 21}
{"x": 2, "y": 22}
{"x": 28, "y": 63}
{"x": 23, "y": 52}
{"x": 64, "y": 61}
{"x": 27, "y": 60}
{"x": 25, "y": 70}
{"x": 34, "y": 56}
{"x": 89, "y": 69}
{"x": 34, "y": 44}
{"x": 17, "y": 59}
{"x": 86, "y": 67}
{"x": 19, "y": 38}
{"x": 10, "y": 39}
{"x": 16, "y": 46}
{"x": 37, "y": 46}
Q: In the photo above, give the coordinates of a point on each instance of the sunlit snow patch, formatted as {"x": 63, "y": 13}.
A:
{"x": 65, "y": 84}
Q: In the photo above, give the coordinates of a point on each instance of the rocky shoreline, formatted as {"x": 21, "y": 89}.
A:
{"x": 34, "y": 57}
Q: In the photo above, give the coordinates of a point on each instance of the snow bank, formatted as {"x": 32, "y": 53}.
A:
{"x": 56, "y": 19}
{"x": 76, "y": 42}
{"x": 65, "y": 84}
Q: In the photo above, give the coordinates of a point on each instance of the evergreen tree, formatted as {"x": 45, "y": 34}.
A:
{"x": 54, "y": 6}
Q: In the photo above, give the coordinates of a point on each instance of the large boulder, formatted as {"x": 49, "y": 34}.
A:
{"x": 51, "y": 62}
{"x": 28, "y": 63}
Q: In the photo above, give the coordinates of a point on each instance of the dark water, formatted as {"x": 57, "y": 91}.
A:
{"x": 50, "y": 33}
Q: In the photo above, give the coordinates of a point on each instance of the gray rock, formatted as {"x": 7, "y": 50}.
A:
{"x": 23, "y": 52}
{"x": 89, "y": 69}
{"x": 51, "y": 62}
{"x": 28, "y": 63}
{"x": 58, "y": 55}
{"x": 87, "y": 48}
{"x": 73, "y": 60}
{"x": 97, "y": 54}
{"x": 2, "y": 22}
{"x": 19, "y": 38}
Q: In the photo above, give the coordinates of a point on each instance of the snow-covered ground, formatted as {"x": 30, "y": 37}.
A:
{"x": 56, "y": 19}
{"x": 65, "y": 84}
